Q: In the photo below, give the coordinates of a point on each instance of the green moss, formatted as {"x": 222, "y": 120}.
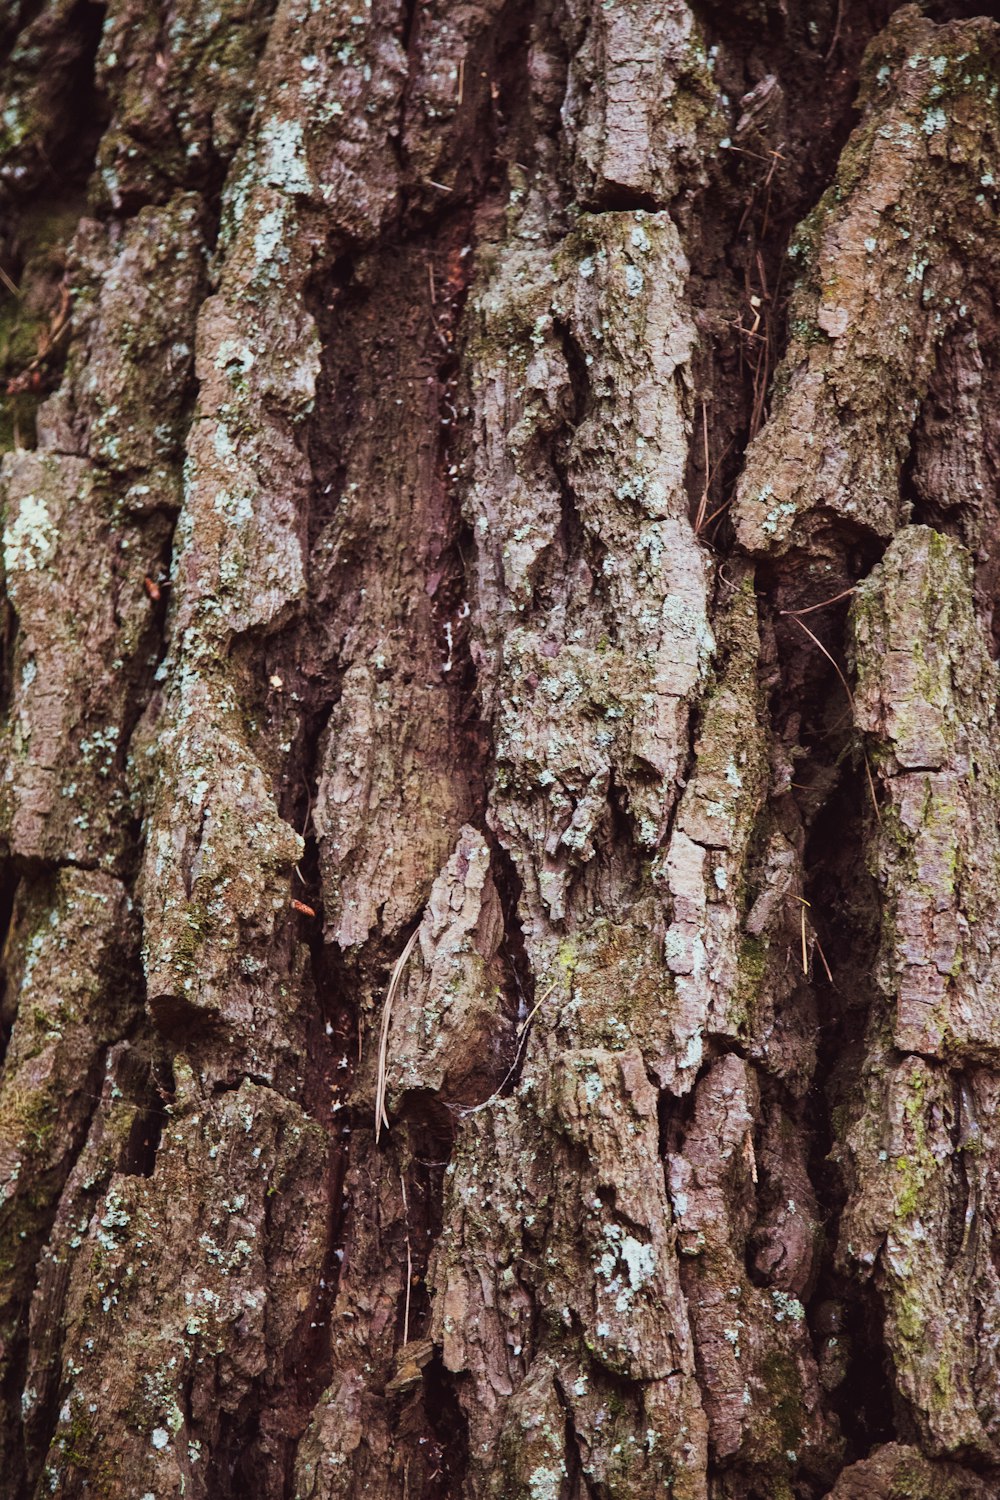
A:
{"x": 943, "y": 1386}
{"x": 783, "y": 1400}
{"x": 806, "y": 333}
{"x": 27, "y": 1115}
{"x": 909, "y": 1316}
{"x": 83, "y": 1449}
{"x": 195, "y": 929}
{"x": 751, "y": 974}
{"x": 918, "y": 1167}
{"x": 908, "y": 1193}
{"x": 76, "y": 1439}
{"x": 27, "y": 320}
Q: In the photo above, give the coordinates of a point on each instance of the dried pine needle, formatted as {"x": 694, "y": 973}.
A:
{"x": 812, "y": 608}
{"x": 826, "y": 966}
{"x": 522, "y": 1037}
{"x": 850, "y": 698}
{"x": 381, "y": 1118}
{"x": 409, "y": 1261}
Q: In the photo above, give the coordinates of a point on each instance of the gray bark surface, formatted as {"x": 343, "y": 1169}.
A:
{"x": 499, "y": 757}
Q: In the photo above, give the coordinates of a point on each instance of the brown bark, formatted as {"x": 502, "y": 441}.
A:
{"x": 500, "y": 767}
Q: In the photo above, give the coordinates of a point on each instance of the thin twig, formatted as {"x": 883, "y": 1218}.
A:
{"x": 9, "y": 284}
{"x": 381, "y": 1118}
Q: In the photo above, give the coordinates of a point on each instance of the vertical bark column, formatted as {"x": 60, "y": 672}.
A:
{"x": 892, "y": 311}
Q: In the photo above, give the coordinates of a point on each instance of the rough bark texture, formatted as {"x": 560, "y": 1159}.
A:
{"x": 499, "y": 755}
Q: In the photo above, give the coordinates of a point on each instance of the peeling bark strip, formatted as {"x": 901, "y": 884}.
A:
{"x": 448, "y": 682}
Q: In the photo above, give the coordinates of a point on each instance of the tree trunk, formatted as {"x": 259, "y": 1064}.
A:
{"x": 500, "y": 760}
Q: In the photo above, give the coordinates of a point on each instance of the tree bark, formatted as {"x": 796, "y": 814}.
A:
{"x": 500, "y": 795}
